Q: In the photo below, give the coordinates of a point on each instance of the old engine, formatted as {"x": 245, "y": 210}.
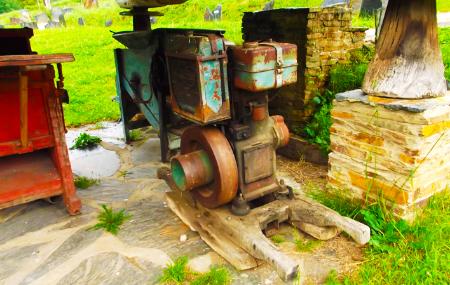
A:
{"x": 208, "y": 99}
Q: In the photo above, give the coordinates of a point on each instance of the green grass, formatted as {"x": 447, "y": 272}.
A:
{"x": 443, "y": 5}
{"x": 177, "y": 272}
{"x": 110, "y": 220}
{"x": 398, "y": 253}
{"x": 277, "y": 239}
{"x": 136, "y": 135}
{"x": 86, "y": 141}
{"x": 444, "y": 38}
{"x": 82, "y": 182}
{"x": 90, "y": 80}
{"x": 304, "y": 245}
{"x": 216, "y": 276}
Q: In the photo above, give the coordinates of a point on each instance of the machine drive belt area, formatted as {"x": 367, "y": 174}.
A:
{"x": 206, "y": 167}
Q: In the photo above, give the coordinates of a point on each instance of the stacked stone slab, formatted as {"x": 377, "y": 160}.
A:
{"x": 395, "y": 149}
{"x": 324, "y": 37}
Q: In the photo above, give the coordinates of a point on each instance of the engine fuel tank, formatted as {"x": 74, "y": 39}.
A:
{"x": 264, "y": 66}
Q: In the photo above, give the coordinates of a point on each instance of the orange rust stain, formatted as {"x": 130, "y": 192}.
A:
{"x": 407, "y": 159}
{"x": 376, "y": 99}
{"x": 342, "y": 115}
{"x": 372, "y": 140}
{"x": 390, "y": 192}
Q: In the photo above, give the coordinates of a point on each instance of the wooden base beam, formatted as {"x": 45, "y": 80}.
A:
{"x": 240, "y": 240}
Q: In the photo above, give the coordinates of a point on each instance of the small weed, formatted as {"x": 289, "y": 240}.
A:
{"x": 317, "y": 131}
{"x": 334, "y": 200}
{"x": 82, "y": 182}
{"x": 297, "y": 279}
{"x": 216, "y": 276}
{"x": 86, "y": 141}
{"x": 123, "y": 173}
{"x": 277, "y": 239}
{"x": 178, "y": 273}
{"x": 175, "y": 272}
{"x": 304, "y": 245}
{"x": 110, "y": 221}
{"x": 333, "y": 279}
{"x": 135, "y": 135}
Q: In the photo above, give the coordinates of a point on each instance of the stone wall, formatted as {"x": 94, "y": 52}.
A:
{"x": 324, "y": 37}
{"x": 394, "y": 149}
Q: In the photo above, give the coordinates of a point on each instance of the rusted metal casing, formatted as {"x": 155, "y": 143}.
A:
{"x": 197, "y": 68}
{"x": 206, "y": 166}
{"x": 263, "y": 66}
{"x": 192, "y": 170}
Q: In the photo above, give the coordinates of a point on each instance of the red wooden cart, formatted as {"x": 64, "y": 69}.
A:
{"x": 34, "y": 161}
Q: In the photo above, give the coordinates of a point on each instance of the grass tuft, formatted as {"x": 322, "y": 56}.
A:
{"x": 216, "y": 276}
{"x": 136, "y": 135}
{"x": 398, "y": 253}
{"x": 82, "y": 182}
{"x": 175, "y": 272}
{"x": 86, "y": 141}
{"x": 110, "y": 220}
{"x": 277, "y": 239}
{"x": 304, "y": 245}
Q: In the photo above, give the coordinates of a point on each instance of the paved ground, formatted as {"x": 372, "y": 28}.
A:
{"x": 41, "y": 244}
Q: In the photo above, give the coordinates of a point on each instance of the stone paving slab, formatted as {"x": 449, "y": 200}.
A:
{"x": 41, "y": 244}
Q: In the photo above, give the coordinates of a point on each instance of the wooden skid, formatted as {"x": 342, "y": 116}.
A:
{"x": 240, "y": 239}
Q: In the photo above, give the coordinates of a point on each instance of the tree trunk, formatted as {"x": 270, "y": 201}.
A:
{"x": 408, "y": 62}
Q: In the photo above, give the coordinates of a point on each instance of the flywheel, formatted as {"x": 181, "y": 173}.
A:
{"x": 206, "y": 166}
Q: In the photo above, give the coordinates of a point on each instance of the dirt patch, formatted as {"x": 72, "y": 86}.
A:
{"x": 340, "y": 253}
{"x": 304, "y": 172}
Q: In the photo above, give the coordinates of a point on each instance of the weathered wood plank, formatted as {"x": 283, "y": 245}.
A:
{"x": 408, "y": 61}
{"x": 34, "y": 59}
{"x": 240, "y": 240}
{"x": 196, "y": 219}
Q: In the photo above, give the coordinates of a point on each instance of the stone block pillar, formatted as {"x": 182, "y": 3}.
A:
{"x": 392, "y": 141}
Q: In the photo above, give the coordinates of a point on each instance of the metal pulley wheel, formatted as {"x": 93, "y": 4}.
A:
{"x": 206, "y": 167}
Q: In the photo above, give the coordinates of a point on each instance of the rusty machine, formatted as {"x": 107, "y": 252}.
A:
{"x": 208, "y": 99}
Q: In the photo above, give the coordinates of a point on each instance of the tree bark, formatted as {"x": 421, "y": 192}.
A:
{"x": 408, "y": 62}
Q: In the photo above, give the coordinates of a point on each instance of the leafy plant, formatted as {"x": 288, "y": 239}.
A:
{"x": 86, "y": 141}
{"x": 386, "y": 231}
{"x": 83, "y": 182}
{"x": 111, "y": 220}
{"x": 135, "y": 135}
{"x": 216, "y": 276}
{"x": 343, "y": 77}
{"x": 9, "y": 5}
{"x": 175, "y": 272}
{"x": 317, "y": 131}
